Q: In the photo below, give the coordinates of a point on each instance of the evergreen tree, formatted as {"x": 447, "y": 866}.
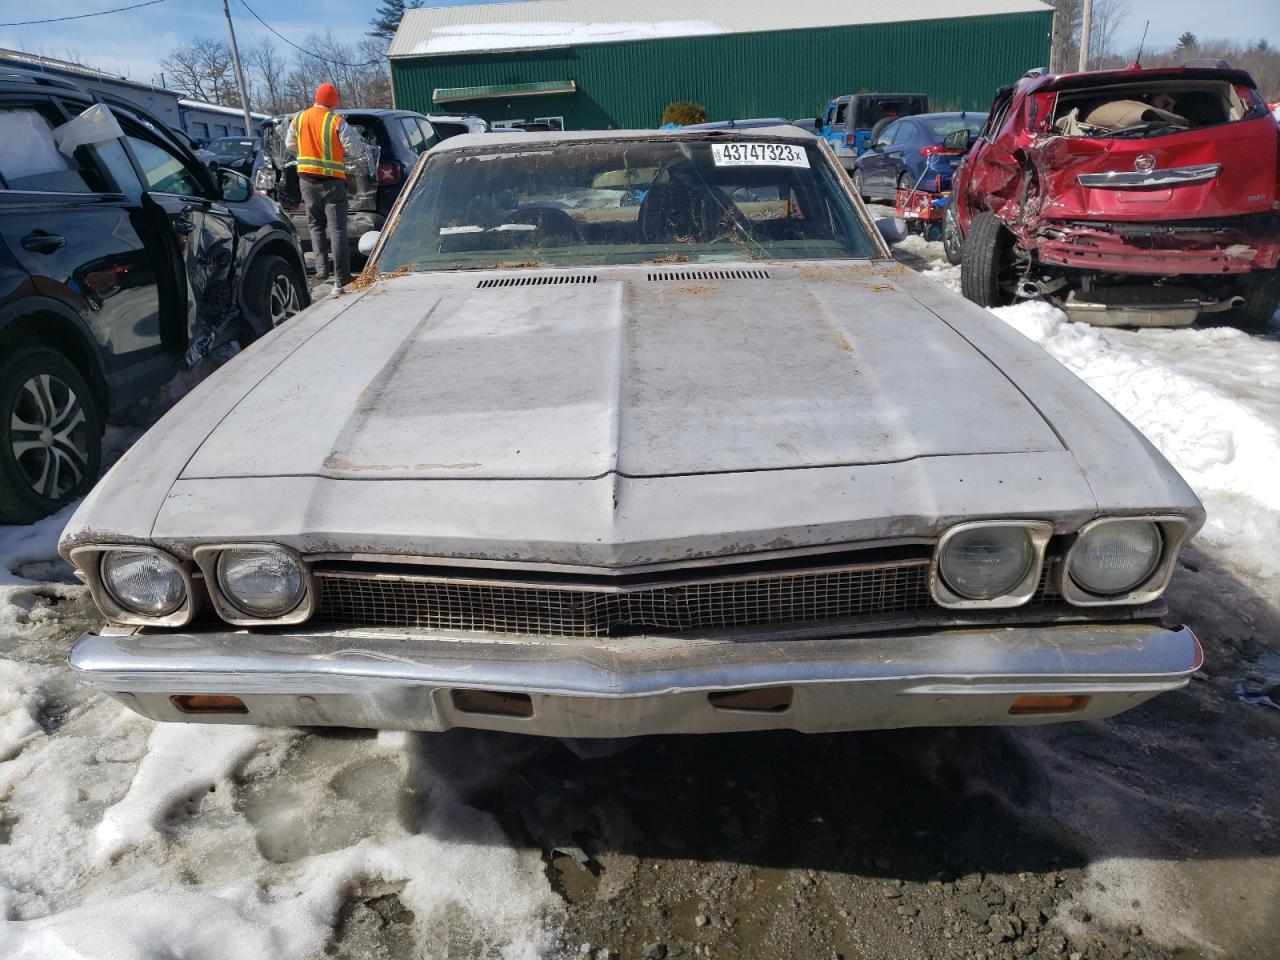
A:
{"x": 386, "y": 19}
{"x": 1188, "y": 41}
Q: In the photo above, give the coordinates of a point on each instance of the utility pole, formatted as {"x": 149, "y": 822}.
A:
{"x": 235, "y": 60}
{"x": 1084, "y": 34}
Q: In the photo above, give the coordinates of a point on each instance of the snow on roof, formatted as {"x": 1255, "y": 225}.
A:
{"x": 534, "y": 24}
{"x": 219, "y": 109}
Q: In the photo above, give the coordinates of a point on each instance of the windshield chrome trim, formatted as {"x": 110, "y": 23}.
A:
{"x": 1121, "y": 179}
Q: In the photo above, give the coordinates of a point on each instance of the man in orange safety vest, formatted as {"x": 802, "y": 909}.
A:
{"x": 324, "y": 143}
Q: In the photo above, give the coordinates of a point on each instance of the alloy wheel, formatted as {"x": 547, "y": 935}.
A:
{"x": 284, "y": 299}
{"x": 48, "y": 436}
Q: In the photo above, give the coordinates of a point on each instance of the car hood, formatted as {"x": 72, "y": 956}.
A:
{"x": 640, "y": 372}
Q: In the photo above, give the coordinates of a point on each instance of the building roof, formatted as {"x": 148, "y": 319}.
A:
{"x": 539, "y": 24}
{"x": 219, "y": 109}
{"x": 74, "y": 71}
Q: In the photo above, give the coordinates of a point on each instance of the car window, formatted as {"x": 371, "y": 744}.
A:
{"x": 994, "y": 122}
{"x": 163, "y": 172}
{"x": 29, "y": 155}
{"x": 889, "y": 135}
{"x": 939, "y": 127}
{"x": 413, "y": 132}
{"x": 842, "y": 110}
{"x": 429, "y": 132}
{"x": 116, "y": 162}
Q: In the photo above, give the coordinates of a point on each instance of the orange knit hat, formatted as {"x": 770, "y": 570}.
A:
{"x": 327, "y": 95}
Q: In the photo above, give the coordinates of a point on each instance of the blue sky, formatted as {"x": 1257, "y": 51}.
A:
{"x": 133, "y": 43}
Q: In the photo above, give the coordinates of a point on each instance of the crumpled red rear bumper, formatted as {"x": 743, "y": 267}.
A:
{"x": 1171, "y": 254}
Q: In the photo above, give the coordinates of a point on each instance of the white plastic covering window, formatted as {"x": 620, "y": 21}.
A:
{"x": 29, "y": 156}
{"x": 95, "y": 125}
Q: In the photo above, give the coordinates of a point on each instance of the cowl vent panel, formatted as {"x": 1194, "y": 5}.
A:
{"x": 536, "y": 280}
{"x": 686, "y": 275}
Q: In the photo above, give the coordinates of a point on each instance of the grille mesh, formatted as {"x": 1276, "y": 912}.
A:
{"x": 800, "y": 597}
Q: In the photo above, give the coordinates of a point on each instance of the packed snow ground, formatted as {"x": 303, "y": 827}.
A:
{"x": 126, "y": 839}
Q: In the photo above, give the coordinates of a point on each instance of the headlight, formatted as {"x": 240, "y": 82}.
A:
{"x": 1115, "y": 558}
{"x": 262, "y": 582}
{"x": 143, "y": 582}
{"x": 985, "y": 562}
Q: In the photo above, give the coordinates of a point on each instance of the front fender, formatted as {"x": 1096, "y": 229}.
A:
{"x": 282, "y": 243}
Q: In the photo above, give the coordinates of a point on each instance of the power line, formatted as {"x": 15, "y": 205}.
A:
{"x": 309, "y": 53}
{"x": 82, "y": 16}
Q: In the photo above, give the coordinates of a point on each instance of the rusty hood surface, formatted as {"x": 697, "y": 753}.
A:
{"x": 438, "y": 377}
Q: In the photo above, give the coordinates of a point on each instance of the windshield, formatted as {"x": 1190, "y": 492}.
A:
{"x": 625, "y": 201}
{"x": 233, "y": 147}
{"x": 943, "y": 124}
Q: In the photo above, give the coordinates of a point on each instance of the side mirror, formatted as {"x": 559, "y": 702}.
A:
{"x": 892, "y": 229}
{"x": 236, "y": 187}
{"x": 819, "y": 123}
{"x": 957, "y": 140}
{"x": 368, "y": 241}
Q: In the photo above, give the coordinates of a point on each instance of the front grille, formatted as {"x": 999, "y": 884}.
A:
{"x": 800, "y": 597}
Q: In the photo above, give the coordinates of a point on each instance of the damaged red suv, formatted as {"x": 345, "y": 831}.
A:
{"x": 1139, "y": 197}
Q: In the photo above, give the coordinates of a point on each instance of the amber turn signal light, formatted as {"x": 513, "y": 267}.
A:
{"x": 1052, "y": 703}
{"x": 208, "y": 703}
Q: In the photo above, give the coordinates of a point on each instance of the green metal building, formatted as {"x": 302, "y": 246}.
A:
{"x": 599, "y": 64}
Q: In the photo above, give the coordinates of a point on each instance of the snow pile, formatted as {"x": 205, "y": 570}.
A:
{"x": 464, "y": 38}
{"x": 131, "y": 839}
{"x": 1219, "y": 439}
{"x": 32, "y": 575}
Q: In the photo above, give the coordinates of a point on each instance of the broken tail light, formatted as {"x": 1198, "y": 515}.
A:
{"x": 389, "y": 174}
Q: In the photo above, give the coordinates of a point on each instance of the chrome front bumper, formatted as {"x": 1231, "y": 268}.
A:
{"x": 639, "y": 685}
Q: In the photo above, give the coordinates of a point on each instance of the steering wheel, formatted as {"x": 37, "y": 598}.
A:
{"x": 550, "y": 221}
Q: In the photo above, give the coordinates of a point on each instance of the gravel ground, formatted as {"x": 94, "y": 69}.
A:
{"x": 1155, "y": 834}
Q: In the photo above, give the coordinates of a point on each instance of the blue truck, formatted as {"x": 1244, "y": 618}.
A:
{"x": 848, "y": 121}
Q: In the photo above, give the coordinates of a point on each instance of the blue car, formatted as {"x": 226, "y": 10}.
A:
{"x": 908, "y": 153}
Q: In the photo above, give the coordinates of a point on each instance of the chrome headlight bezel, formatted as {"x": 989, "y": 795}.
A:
{"x": 207, "y": 557}
{"x": 1174, "y": 531}
{"x": 88, "y": 560}
{"x": 1038, "y": 532}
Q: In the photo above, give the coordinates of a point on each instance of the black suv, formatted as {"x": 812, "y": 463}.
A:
{"x": 396, "y": 138}
{"x": 122, "y": 259}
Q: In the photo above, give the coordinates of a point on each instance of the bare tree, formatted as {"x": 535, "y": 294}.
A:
{"x": 1108, "y": 15}
{"x": 201, "y": 69}
{"x": 268, "y": 69}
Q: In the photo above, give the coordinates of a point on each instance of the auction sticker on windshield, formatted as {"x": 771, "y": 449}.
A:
{"x": 751, "y": 154}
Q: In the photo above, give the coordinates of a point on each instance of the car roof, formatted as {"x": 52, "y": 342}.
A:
{"x": 379, "y": 112}
{"x": 35, "y": 78}
{"x": 526, "y": 138}
{"x": 1094, "y": 78}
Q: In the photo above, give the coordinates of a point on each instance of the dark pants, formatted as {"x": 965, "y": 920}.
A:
{"x": 325, "y": 200}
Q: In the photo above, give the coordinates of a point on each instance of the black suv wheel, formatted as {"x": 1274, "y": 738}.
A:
{"x": 273, "y": 290}
{"x": 50, "y": 435}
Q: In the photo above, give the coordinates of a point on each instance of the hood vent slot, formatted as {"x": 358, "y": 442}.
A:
{"x": 685, "y": 275}
{"x": 536, "y": 280}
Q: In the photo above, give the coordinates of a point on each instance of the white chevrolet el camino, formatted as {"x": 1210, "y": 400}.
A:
{"x": 634, "y": 433}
